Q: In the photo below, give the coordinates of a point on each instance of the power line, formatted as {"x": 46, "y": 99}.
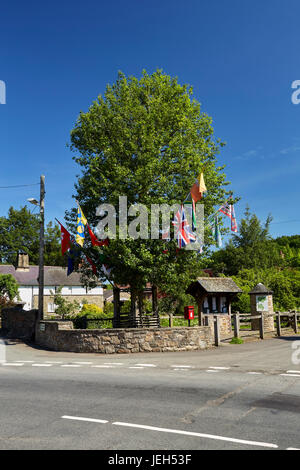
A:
{"x": 19, "y": 186}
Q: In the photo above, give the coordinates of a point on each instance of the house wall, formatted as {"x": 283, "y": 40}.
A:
{"x": 29, "y": 295}
{"x": 49, "y": 299}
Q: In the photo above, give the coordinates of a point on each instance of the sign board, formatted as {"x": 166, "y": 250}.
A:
{"x": 42, "y": 326}
{"x": 262, "y": 303}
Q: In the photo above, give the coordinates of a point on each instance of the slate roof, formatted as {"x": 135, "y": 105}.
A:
{"x": 53, "y": 276}
{"x": 216, "y": 285}
{"x": 261, "y": 289}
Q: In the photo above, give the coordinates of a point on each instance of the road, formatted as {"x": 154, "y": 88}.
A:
{"x": 233, "y": 397}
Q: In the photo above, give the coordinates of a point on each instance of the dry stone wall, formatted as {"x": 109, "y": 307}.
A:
{"x": 60, "y": 336}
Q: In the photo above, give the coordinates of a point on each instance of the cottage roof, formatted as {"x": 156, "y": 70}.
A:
{"x": 53, "y": 276}
{"x": 261, "y": 289}
{"x": 214, "y": 285}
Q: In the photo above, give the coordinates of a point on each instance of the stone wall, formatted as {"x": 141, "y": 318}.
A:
{"x": 225, "y": 327}
{"x": 18, "y": 323}
{"x": 60, "y": 336}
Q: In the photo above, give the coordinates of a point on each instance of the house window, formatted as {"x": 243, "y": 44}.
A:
{"x": 51, "y": 307}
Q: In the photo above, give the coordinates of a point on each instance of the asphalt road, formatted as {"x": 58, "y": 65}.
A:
{"x": 234, "y": 397}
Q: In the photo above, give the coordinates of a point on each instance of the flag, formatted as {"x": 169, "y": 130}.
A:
{"x": 65, "y": 238}
{"x": 198, "y": 188}
{"x": 183, "y": 232}
{"x": 217, "y": 233}
{"x": 226, "y": 209}
{"x": 190, "y": 206}
{"x": 233, "y": 220}
{"x": 94, "y": 239}
{"x": 81, "y": 223}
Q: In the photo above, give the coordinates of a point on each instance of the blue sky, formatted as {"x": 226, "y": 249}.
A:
{"x": 240, "y": 56}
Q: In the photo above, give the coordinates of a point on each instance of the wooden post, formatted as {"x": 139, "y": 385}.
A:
{"x": 217, "y": 331}
{"x": 236, "y": 322}
{"x": 261, "y": 326}
{"x": 116, "y": 293}
{"x": 278, "y": 324}
{"x": 295, "y": 323}
{"x": 170, "y": 320}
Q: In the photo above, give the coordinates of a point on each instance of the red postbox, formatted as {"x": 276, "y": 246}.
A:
{"x": 189, "y": 312}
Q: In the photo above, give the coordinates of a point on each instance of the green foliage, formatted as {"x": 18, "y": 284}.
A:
{"x": 236, "y": 341}
{"x": 9, "y": 288}
{"x": 63, "y": 307}
{"x": 91, "y": 311}
{"x": 254, "y": 257}
{"x": 19, "y": 231}
{"x": 109, "y": 309}
{"x": 147, "y": 139}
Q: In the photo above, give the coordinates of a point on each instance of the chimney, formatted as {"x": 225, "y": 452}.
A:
{"x": 22, "y": 262}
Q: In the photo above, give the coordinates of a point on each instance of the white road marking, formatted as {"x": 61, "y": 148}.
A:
{"x": 209, "y": 370}
{"x": 135, "y": 367}
{"x": 254, "y": 373}
{"x": 182, "y": 370}
{"x": 114, "y": 363}
{"x": 70, "y": 365}
{"x": 293, "y": 371}
{"x": 78, "y": 418}
{"x": 220, "y": 368}
{"x": 196, "y": 434}
{"x": 42, "y": 365}
{"x": 290, "y": 375}
{"x": 25, "y": 362}
{"x": 292, "y": 448}
{"x": 146, "y": 365}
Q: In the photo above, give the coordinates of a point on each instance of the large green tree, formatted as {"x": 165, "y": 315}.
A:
{"x": 146, "y": 138}
{"x": 19, "y": 231}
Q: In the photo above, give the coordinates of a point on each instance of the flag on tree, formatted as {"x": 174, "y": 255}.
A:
{"x": 217, "y": 233}
{"x": 81, "y": 223}
{"x": 233, "y": 220}
{"x": 65, "y": 238}
{"x": 94, "y": 239}
{"x": 198, "y": 188}
{"x": 226, "y": 209}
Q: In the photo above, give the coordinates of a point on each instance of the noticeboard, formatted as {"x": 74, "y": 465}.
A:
{"x": 262, "y": 303}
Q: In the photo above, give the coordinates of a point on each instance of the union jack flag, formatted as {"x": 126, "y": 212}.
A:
{"x": 183, "y": 232}
{"x": 226, "y": 209}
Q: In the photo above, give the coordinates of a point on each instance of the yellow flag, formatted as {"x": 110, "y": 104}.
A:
{"x": 81, "y": 223}
{"x": 202, "y": 187}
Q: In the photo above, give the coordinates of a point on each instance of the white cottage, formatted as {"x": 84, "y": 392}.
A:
{"x": 54, "y": 277}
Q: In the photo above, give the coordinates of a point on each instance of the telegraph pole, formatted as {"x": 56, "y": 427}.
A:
{"x": 41, "y": 249}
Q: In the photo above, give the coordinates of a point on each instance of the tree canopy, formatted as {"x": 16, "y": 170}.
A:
{"x": 19, "y": 231}
{"x": 147, "y": 139}
{"x": 254, "y": 256}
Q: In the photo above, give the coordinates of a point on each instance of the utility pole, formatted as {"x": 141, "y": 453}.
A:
{"x": 41, "y": 250}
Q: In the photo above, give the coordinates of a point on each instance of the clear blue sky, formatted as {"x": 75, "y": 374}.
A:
{"x": 241, "y": 57}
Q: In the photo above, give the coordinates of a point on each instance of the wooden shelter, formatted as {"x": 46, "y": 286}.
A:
{"x": 136, "y": 317}
{"x": 213, "y": 295}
